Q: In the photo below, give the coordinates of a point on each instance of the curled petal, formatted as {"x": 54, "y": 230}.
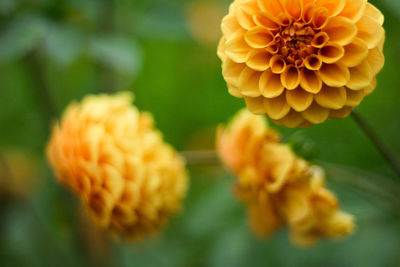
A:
{"x": 259, "y": 37}
{"x": 374, "y": 13}
{"x": 278, "y": 64}
{"x": 256, "y": 104}
{"x": 375, "y": 60}
{"x": 341, "y": 30}
{"x": 233, "y": 90}
{"x": 315, "y": 114}
{"x": 308, "y": 12}
{"x": 320, "y": 40}
{"x": 270, "y": 84}
{"x": 229, "y": 25}
{"x": 292, "y": 120}
{"x": 236, "y": 48}
{"x": 331, "y": 53}
{"x": 355, "y": 53}
{"x": 310, "y": 81}
{"x": 371, "y": 87}
{"x": 340, "y": 113}
{"x": 273, "y": 7}
{"x": 245, "y": 17}
{"x": 331, "y": 97}
{"x": 221, "y": 49}
{"x": 290, "y": 78}
{"x": 320, "y": 18}
{"x": 231, "y": 71}
{"x": 294, "y": 8}
{"x": 354, "y": 9}
{"x": 299, "y": 99}
{"x": 276, "y": 108}
{"x": 249, "y": 82}
{"x": 370, "y": 31}
{"x": 258, "y": 59}
{"x": 360, "y": 76}
{"x": 334, "y": 7}
{"x": 313, "y": 62}
{"x": 266, "y": 20}
{"x": 335, "y": 75}
{"x": 354, "y": 98}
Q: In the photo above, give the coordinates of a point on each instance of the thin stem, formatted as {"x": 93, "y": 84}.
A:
{"x": 377, "y": 141}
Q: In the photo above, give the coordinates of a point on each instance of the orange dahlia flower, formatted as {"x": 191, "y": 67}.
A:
{"x": 301, "y": 62}
{"x": 277, "y": 186}
{"x": 109, "y": 153}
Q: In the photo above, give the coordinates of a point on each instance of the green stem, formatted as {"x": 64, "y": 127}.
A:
{"x": 389, "y": 156}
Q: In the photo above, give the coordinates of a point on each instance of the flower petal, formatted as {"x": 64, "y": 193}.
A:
{"x": 335, "y": 75}
{"x": 340, "y": 113}
{"x": 374, "y": 13}
{"x": 370, "y": 31}
{"x": 259, "y": 37}
{"x": 320, "y": 18}
{"x": 292, "y": 120}
{"x": 273, "y": 7}
{"x": 354, "y": 98}
{"x": 320, "y": 40}
{"x": 231, "y": 71}
{"x": 331, "y": 97}
{"x": 315, "y": 114}
{"x": 276, "y": 108}
{"x": 354, "y": 9}
{"x": 258, "y": 59}
{"x": 310, "y": 81}
{"x": 355, "y": 53}
{"x": 299, "y": 99}
{"x": 266, "y": 20}
{"x": 375, "y": 60}
{"x": 331, "y": 53}
{"x": 341, "y": 30}
{"x": 255, "y": 105}
{"x": 290, "y": 78}
{"x": 313, "y": 62}
{"x": 360, "y": 76}
{"x": 294, "y": 8}
{"x": 334, "y": 7}
{"x": 229, "y": 25}
{"x": 278, "y": 64}
{"x": 244, "y": 16}
{"x": 270, "y": 84}
{"x": 249, "y": 82}
{"x": 236, "y": 48}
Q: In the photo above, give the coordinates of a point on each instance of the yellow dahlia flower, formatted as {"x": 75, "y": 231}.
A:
{"x": 109, "y": 153}
{"x": 277, "y": 186}
{"x": 301, "y": 62}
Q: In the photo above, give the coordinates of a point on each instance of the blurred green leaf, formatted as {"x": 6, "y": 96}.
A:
{"x": 21, "y": 36}
{"x": 117, "y": 52}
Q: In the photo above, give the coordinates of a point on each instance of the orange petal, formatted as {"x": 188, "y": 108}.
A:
{"x": 354, "y": 98}
{"x": 259, "y": 37}
{"x": 249, "y": 82}
{"x": 334, "y": 7}
{"x": 299, "y": 99}
{"x": 371, "y": 87}
{"x": 335, "y": 75}
{"x": 310, "y": 81}
{"x": 374, "y": 13}
{"x": 376, "y": 60}
{"x": 292, "y": 120}
{"x": 331, "y": 97}
{"x": 290, "y": 78}
{"x": 370, "y": 31}
{"x": 354, "y": 53}
{"x": 266, "y": 20}
{"x": 341, "y": 30}
{"x": 308, "y": 12}
{"x": 331, "y": 53}
{"x": 354, "y": 9}
{"x": 278, "y": 64}
{"x": 245, "y": 17}
{"x": 234, "y": 91}
{"x": 229, "y": 25}
{"x": 258, "y": 59}
{"x": 231, "y": 71}
{"x": 273, "y": 7}
{"x": 276, "y": 108}
{"x": 270, "y": 84}
{"x": 294, "y": 8}
{"x": 236, "y": 48}
{"x": 221, "y": 49}
{"x": 255, "y": 105}
{"x": 315, "y": 114}
{"x": 320, "y": 18}
{"x": 340, "y": 113}
{"x": 313, "y": 62}
{"x": 360, "y": 76}
{"x": 320, "y": 40}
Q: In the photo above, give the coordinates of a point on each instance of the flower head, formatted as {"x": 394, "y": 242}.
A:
{"x": 277, "y": 186}
{"x": 301, "y": 62}
{"x": 109, "y": 153}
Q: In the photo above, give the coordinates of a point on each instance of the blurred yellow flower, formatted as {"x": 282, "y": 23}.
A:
{"x": 109, "y": 153}
{"x": 277, "y": 186}
{"x": 301, "y": 62}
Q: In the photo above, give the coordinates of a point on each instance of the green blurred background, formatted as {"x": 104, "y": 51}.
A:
{"x": 56, "y": 51}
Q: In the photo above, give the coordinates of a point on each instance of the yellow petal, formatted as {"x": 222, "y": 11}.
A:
{"x": 315, "y": 114}
{"x": 229, "y": 25}
{"x": 270, "y": 84}
{"x": 299, "y": 99}
{"x": 360, "y": 76}
{"x": 313, "y": 62}
{"x": 266, "y": 20}
{"x": 255, "y": 105}
{"x": 341, "y": 30}
{"x": 234, "y": 91}
{"x": 331, "y": 53}
{"x": 245, "y": 17}
{"x": 376, "y": 60}
{"x": 370, "y": 31}
{"x": 278, "y": 64}
{"x": 354, "y": 98}
{"x": 231, "y": 71}
{"x": 310, "y": 81}
{"x": 334, "y": 75}
{"x": 221, "y": 49}
{"x": 331, "y": 97}
{"x": 249, "y": 82}
{"x": 354, "y": 53}
{"x": 259, "y": 37}
{"x": 273, "y": 7}
{"x": 294, "y": 8}
{"x": 292, "y": 120}
{"x": 374, "y": 13}
{"x": 371, "y": 87}
{"x": 320, "y": 40}
{"x": 258, "y": 59}
{"x": 354, "y": 9}
{"x": 333, "y": 6}
{"x": 290, "y": 78}
{"x": 340, "y": 113}
{"x": 236, "y": 48}
{"x": 320, "y": 18}
{"x": 276, "y": 108}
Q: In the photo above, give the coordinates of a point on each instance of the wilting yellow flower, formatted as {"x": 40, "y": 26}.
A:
{"x": 301, "y": 62}
{"x": 277, "y": 186}
{"x": 110, "y": 154}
